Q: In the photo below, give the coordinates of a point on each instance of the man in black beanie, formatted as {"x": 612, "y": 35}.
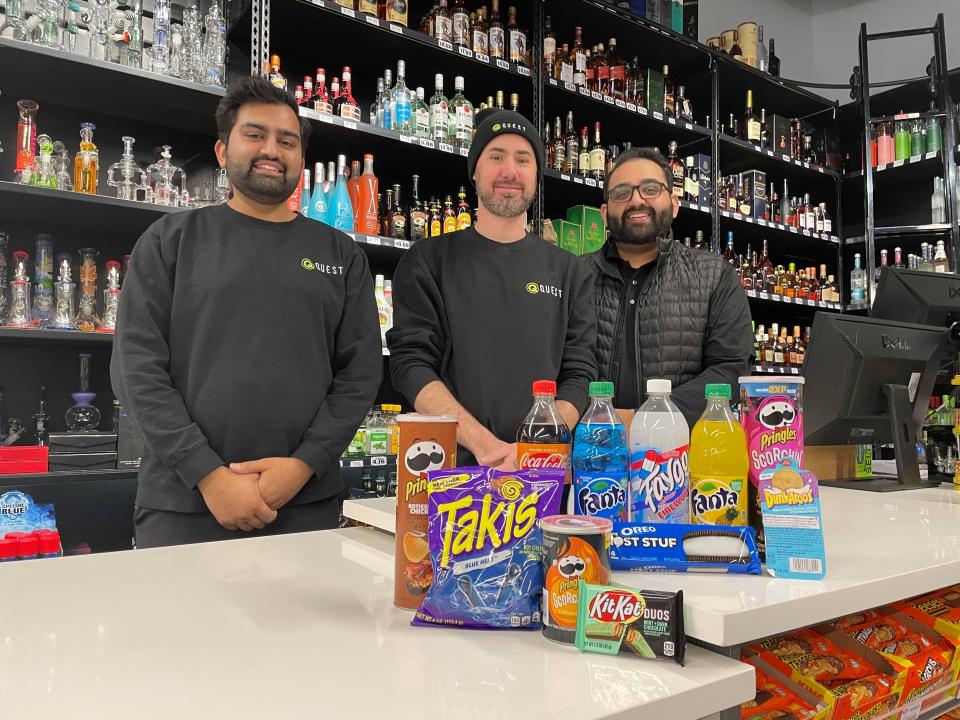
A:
{"x": 481, "y": 313}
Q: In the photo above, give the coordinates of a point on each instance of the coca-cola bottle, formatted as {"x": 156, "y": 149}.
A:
{"x": 543, "y": 440}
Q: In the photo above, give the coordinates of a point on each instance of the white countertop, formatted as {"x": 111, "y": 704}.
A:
{"x": 881, "y": 547}
{"x": 376, "y": 512}
{"x": 299, "y": 626}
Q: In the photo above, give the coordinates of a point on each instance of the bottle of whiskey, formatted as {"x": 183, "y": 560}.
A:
{"x": 578, "y": 59}
{"x": 497, "y": 42}
{"x": 601, "y": 71}
{"x": 583, "y": 162}
{"x": 463, "y": 210}
{"x": 559, "y": 147}
{"x": 751, "y": 125}
{"x": 774, "y": 61}
{"x": 515, "y": 102}
{"x": 683, "y": 107}
{"x": 571, "y": 147}
{"x": 498, "y": 103}
{"x": 398, "y": 218}
{"x": 481, "y": 38}
{"x": 598, "y": 155}
{"x": 443, "y": 23}
{"x": 549, "y": 51}
{"x": 516, "y": 38}
{"x": 461, "y": 24}
{"x": 449, "y": 216}
{"x": 677, "y": 170}
{"x": 419, "y": 218}
{"x": 669, "y": 94}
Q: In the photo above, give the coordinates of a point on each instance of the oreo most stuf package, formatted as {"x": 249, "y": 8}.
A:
{"x": 486, "y": 546}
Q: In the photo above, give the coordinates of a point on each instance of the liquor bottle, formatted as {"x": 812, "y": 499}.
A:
{"x": 591, "y": 72}
{"x": 638, "y": 84}
{"x": 321, "y": 97}
{"x": 398, "y": 218}
{"x": 940, "y": 262}
{"x": 516, "y": 39}
{"x": 578, "y": 59}
{"x": 676, "y": 169}
{"x": 341, "y": 211}
{"x": 400, "y": 102}
{"x": 598, "y": 156}
{"x": 728, "y": 254}
{"x": 763, "y": 59}
{"x": 601, "y": 71}
{"x": 443, "y": 23}
{"x": 335, "y": 95}
{"x": 547, "y": 145}
{"x": 396, "y": 12}
{"x": 386, "y": 216}
{"x": 353, "y": 188}
{"x": 790, "y": 281}
{"x": 683, "y": 108}
{"x": 583, "y": 162}
{"x": 421, "y": 115}
{"x": 779, "y": 346}
{"x": 498, "y": 104}
{"x": 449, "y": 216}
{"x": 497, "y": 42}
{"x": 481, "y": 38}
{"x": 669, "y": 94}
{"x": 768, "y": 348}
{"x": 348, "y": 108}
{"x": 938, "y": 202}
{"x": 751, "y": 125}
{"x": 810, "y": 209}
{"x": 773, "y": 61}
{"x": 317, "y": 208}
{"x": 367, "y": 193}
{"x": 464, "y": 219}
{"x": 699, "y": 243}
{"x": 549, "y": 50}
{"x": 571, "y": 147}
{"x": 368, "y": 7}
{"x": 307, "y": 89}
{"x": 461, "y": 24}
{"x": 616, "y": 72}
{"x": 275, "y": 77}
{"x": 515, "y": 102}
{"x": 898, "y": 258}
{"x": 773, "y": 205}
{"x": 562, "y": 65}
{"x": 858, "y": 282}
{"x": 436, "y": 221}
{"x": 439, "y": 113}
{"x": 462, "y": 116}
{"x": 86, "y": 162}
{"x": 735, "y": 51}
{"x": 559, "y": 148}
{"x": 419, "y": 216}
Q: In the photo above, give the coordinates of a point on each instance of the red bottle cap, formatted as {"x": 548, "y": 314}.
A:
{"x": 15, "y": 535}
{"x": 8, "y": 549}
{"x": 50, "y": 543}
{"x": 544, "y": 387}
{"x": 28, "y": 546}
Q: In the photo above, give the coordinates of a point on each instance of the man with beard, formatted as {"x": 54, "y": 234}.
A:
{"x": 663, "y": 310}
{"x": 247, "y": 348}
{"x": 481, "y": 313}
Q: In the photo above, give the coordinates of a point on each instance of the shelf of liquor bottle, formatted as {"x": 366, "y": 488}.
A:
{"x": 778, "y": 157}
{"x": 62, "y": 78}
{"x": 368, "y": 461}
{"x": 67, "y": 476}
{"x": 779, "y": 227}
{"x": 74, "y": 211}
{"x": 775, "y": 369}
{"x": 775, "y": 94}
{"x": 380, "y": 241}
{"x": 629, "y": 108}
{"x": 42, "y": 336}
{"x": 573, "y": 178}
{"x": 897, "y": 164}
{"x": 397, "y": 30}
{"x": 912, "y": 230}
{"x": 805, "y": 302}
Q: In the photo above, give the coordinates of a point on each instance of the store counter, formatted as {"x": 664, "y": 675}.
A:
{"x": 300, "y": 626}
{"x": 881, "y": 547}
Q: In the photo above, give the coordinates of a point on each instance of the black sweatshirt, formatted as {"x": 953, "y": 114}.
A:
{"x": 239, "y": 339}
{"x": 488, "y": 319}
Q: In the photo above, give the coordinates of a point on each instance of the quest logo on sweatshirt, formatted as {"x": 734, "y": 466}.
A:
{"x": 540, "y": 289}
{"x": 308, "y": 264}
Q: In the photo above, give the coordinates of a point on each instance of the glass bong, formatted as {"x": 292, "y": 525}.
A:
{"x": 161, "y": 37}
{"x": 65, "y": 288}
{"x": 13, "y": 25}
{"x": 20, "y": 313}
{"x": 86, "y": 162}
{"x": 191, "y": 58}
{"x": 214, "y": 44}
{"x": 98, "y": 19}
{"x": 50, "y": 12}
{"x": 132, "y": 178}
{"x": 84, "y": 416}
{"x": 134, "y": 17}
{"x": 70, "y": 34}
{"x": 111, "y": 297}
{"x": 162, "y": 189}
{"x": 26, "y": 137}
{"x": 43, "y": 173}
{"x": 61, "y": 166}
{"x": 87, "y": 319}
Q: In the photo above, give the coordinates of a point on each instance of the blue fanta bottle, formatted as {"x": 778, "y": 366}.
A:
{"x": 340, "y": 209}
{"x": 601, "y": 459}
{"x": 318, "y": 199}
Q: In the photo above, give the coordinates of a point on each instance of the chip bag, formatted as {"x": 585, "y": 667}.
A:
{"x": 486, "y": 546}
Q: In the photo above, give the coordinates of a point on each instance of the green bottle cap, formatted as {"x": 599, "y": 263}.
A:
{"x": 717, "y": 390}
{"x": 601, "y": 389}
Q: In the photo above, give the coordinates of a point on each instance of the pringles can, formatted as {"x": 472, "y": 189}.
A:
{"x": 427, "y": 442}
{"x": 575, "y": 548}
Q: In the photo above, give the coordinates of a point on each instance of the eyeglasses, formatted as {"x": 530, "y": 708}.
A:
{"x": 649, "y": 190}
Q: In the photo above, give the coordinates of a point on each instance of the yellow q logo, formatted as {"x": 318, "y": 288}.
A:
{"x": 496, "y": 127}
{"x": 307, "y": 264}
{"x": 533, "y": 288}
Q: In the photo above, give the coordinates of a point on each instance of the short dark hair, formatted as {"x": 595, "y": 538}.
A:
{"x": 256, "y": 90}
{"x": 640, "y": 153}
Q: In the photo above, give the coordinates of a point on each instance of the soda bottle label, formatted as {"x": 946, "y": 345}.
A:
{"x": 601, "y": 494}
{"x": 659, "y": 485}
{"x": 542, "y": 455}
{"x": 718, "y": 500}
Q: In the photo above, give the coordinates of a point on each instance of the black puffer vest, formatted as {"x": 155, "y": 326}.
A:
{"x": 671, "y": 313}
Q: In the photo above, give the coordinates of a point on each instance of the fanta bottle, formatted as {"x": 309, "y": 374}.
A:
{"x": 601, "y": 459}
{"x": 718, "y": 463}
{"x": 659, "y": 463}
{"x": 543, "y": 440}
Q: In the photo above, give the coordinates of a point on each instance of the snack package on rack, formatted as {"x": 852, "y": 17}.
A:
{"x": 486, "y": 546}
{"x": 781, "y": 698}
{"x": 671, "y": 547}
{"x": 848, "y": 621}
{"x": 623, "y": 621}
{"x": 793, "y": 527}
{"x": 19, "y": 513}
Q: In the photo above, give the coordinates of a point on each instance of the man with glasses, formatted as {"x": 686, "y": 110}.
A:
{"x": 664, "y": 310}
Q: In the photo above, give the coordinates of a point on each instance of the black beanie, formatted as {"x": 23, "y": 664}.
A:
{"x": 491, "y": 122}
